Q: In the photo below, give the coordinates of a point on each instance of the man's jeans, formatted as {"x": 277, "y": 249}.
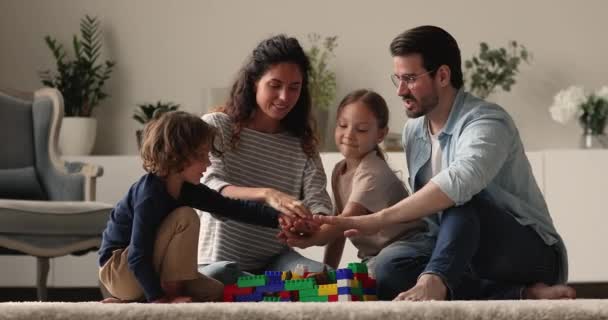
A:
{"x": 484, "y": 253}
{"x": 480, "y": 253}
{"x": 228, "y": 272}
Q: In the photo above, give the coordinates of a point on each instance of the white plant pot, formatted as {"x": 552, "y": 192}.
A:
{"x": 77, "y": 136}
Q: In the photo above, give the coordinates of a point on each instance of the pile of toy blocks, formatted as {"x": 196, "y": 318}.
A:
{"x": 349, "y": 284}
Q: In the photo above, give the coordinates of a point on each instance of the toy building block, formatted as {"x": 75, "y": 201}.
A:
{"x": 254, "y": 297}
{"x": 309, "y": 292}
{"x": 345, "y": 297}
{"x": 369, "y": 283}
{"x": 232, "y": 290}
{"x": 271, "y": 299}
{"x": 360, "y": 276}
{"x": 332, "y": 276}
{"x": 300, "y": 284}
{"x": 300, "y": 269}
{"x": 358, "y": 267}
{"x": 286, "y": 275}
{"x": 270, "y": 287}
{"x": 353, "y": 291}
{"x": 314, "y": 299}
{"x": 295, "y": 276}
{"x": 369, "y": 291}
{"x": 348, "y": 283}
{"x": 332, "y": 298}
{"x": 251, "y": 281}
{"x": 273, "y": 275}
{"x": 328, "y": 289}
{"x": 370, "y": 297}
{"x": 344, "y": 274}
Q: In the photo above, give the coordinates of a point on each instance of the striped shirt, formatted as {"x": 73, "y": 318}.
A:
{"x": 260, "y": 160}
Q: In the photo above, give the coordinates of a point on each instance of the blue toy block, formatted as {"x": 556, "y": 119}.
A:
{"x": 344, "y": 290}
{"x": 344, "y": 274}
{"x": 369, "y": 291}
{"x": 254, "y": 297}
{"x": 273, "y": 275}
{"x": 271, "y": 287}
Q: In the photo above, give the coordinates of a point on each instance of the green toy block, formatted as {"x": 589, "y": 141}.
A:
{"x": 356, "y": 291}
{"x": 251, "y": 281}
{"x": 309, "y": 292}
{"x": 271, "y": 299}
{"x": 357, "y": 267}
{"x": 291, "y": 285}
{"x": 314, "y": 299}
{"x": 332, "y": 276}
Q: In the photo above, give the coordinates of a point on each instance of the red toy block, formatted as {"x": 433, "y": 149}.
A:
{"x": 284, "y": 294}
{"x": 360, "y": 276}
{"x": 332, "y": 298}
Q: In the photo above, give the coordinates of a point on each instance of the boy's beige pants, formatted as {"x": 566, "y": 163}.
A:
{"x": 175, "y": 252}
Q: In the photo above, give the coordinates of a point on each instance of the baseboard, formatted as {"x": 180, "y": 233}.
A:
{"x": 583, "y": 291}
{"x": 54, "y": 294}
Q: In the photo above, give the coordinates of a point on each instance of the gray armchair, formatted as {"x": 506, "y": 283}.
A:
{"x": 47, "y": 206}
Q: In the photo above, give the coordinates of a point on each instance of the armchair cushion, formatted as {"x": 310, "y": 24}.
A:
{"x": 51, "y": 228}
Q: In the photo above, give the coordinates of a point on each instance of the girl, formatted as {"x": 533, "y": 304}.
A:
{"x": 269, "y": 155}
{"x": 148, "y": 248}
{"x": 363, "y": 183}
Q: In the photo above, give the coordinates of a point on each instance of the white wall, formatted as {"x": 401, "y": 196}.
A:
{"x": 174, "y": 50}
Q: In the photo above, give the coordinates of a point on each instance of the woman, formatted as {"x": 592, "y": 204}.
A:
{"x": 269, "y": 154}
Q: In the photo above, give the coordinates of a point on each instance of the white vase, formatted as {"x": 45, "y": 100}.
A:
{"x": 77, "y": 136}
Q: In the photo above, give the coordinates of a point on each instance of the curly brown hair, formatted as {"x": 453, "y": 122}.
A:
{"x": 172, "y": 140}
{"x": 242, "y": 104}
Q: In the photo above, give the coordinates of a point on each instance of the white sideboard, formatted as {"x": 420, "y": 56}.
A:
{"x": 574, "y": 183}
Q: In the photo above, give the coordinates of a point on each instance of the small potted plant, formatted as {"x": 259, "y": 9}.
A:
{"x": 81, "y": 81}
{"x": 148, "y": 111}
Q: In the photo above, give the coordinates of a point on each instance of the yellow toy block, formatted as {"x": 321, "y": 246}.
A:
{"x": 370, "y": 297}
{"x": 328, "y": 289}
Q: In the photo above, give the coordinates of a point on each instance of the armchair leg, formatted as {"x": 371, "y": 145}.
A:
{"x": 41, "y": 277}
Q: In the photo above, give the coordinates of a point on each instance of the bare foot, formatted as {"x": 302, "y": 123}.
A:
{"x": 543, "y": 291}
{"x": 428, "y": 287}
{"x": 112, "y": 300}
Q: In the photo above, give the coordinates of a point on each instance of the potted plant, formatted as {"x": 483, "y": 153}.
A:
{"x": 148, "y": 111}
{"x": 494, "y": 68}
{"x": 81, "y": 82}
{"x": 321, "y": 79}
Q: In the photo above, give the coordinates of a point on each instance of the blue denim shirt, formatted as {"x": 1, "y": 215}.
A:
{"x": 483, "y": 155}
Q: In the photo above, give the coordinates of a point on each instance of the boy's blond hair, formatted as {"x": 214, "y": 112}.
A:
{"x": 172, "y": 140}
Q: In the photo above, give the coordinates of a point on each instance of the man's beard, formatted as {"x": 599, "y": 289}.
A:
{"x": 425, "y": 105}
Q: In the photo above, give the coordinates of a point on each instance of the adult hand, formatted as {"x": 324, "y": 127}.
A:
{"x": 286, "y": 204}
{"x": 354, "y": 225}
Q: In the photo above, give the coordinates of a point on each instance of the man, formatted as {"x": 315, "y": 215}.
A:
{"x": 472, "y": 180}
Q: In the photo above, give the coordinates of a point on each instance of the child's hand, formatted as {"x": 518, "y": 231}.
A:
{"x": 286, "y": 204}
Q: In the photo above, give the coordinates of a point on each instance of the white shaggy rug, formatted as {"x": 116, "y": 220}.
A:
{"x": 493, "y": 310}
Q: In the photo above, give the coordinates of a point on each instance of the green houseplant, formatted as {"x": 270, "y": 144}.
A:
{"x": 148, "y": 111}
{"x": 494, "y": 68}
{"x": 321, "y": 79}
{"x": 81, "y": 81}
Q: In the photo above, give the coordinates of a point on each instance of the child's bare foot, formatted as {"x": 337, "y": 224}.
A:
{"x": 428, "y": 287}
{"x": 543, "y": 291}
{"x": 112, "y": 300}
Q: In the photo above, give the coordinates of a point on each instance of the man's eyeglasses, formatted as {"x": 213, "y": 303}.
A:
{"x": 409, "y": 79}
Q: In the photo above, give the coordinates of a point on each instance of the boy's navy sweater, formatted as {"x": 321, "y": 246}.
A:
{"x": 136, "y": 218}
